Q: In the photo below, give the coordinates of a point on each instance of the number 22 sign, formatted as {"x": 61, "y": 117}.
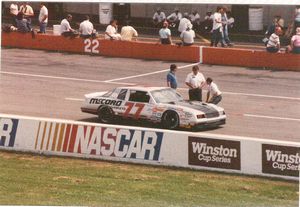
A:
{"x": 91, "y": 46}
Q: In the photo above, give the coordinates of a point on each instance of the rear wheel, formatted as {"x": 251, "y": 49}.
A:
{"x": 106, "y": 115}
{"x": 170, "y": 120}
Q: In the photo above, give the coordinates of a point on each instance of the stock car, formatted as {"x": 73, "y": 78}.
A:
{"x": 155, "y": 104}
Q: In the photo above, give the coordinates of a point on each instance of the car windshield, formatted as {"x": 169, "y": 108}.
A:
{"x": 166, "y": 96}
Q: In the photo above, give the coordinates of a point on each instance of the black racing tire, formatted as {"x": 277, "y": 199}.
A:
{"x": 106, "y": 115}
{"x": 170, "y": 120}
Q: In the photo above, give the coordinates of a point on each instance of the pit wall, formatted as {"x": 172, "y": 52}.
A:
{"x": 155, "y": 51}
{"x": 204, "y": 151}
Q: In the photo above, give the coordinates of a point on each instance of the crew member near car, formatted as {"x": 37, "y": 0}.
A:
{"x": 195, "y": 81}
{"x": 214, "y": 95}
{"x": 171, "y": 77}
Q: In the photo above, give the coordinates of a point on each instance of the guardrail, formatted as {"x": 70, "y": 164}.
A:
{"x": 232, "y": 154}
{"x": 146, "y": 50}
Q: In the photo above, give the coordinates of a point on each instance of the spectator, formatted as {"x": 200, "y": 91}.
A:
{"x": 43, "y": 18}
{"x": 195, "y": 81}
{"x": 208, "y": 21}
{"x": 111, "y": 31}
{"x": 171, "y": 77}
{"x": 295, "y": 42}
{"x": 230, "y": 20}
{"x": 128, "y": 32}
{"x": 86, "y": 28}
{"x": 159, "y": 17}
{"x": 22, "y": 23}
{"x": 27, "y": 11}
{"x": 225, "y": 37}
{"x": 188, "y": 36}
{"x": 273, "y": 44}
{"x": 214, "y": 95}
{"x": 65, "y": 27}
{"x": 297, "y": 18}
{"x": 217, "y": 28}
{"x": 184, "y": 22}
{"x": 280, "y": 21}
{"x": 195, "y": 19}
{"x": 13, "y": 13}
{"x": 174, "y": 18}
{"x": 165, "y": 34}
{"x": 271, "y": 28}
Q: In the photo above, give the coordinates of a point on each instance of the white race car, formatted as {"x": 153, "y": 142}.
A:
{"x": 154, "y": 104}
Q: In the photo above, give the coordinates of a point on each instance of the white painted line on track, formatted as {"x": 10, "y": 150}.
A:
{"x": 150, "y": 73}
{"x": 271, "y": 117}
{"x": 63, "y": 78}
{"x": 74, "y": 99}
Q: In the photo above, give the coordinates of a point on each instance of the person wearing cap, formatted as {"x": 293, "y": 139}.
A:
{"x": 128, "y": 32}
{"x": 27, "y": 11}
{"x": 165, "y": 34}
{"x": 195, "y": 81}
{"x": 171, "y": 77}
{"x": 184, "y": 22}
{"x": 295, "y": 42}
{"x": 159, "y": 17}
{"x": 175, "y": 17}
{"x": 273, "y": 44}
{"x": 188, "y": 36}
{"x": 195, "y": 19}
{"x": 86, "y": 28}
{"x": 214, "y": 95}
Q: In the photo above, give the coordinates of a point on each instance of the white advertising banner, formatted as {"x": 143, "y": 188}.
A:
{"x": 250, "y": 156}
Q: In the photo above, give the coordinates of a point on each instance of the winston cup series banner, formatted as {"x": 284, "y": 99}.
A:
{"x": 151, "y": 146}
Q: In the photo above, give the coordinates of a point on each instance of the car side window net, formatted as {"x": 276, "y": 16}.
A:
{"x": 122, "y": 94}
{"x": 139, "y": 96}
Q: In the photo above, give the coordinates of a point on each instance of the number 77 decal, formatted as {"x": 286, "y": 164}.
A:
{"x": 130, "y": 105}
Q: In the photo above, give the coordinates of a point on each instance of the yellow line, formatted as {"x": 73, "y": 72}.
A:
{"x": 202, "y": 38}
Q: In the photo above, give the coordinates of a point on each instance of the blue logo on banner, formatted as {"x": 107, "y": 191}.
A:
{"x": 8, "y": 130}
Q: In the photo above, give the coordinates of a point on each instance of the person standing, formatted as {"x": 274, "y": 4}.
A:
{"x": 171, "y": 77}
{"x": 13, "y": 9}
{"x": 225, "y": 36}
{"x": 86, "y": 28}
{"x": 195, "y": 81}
{"x": 184, "y": 22}
{"x": 111, "y": 31}
{"x": 195, "y": 19}
{"x": 174, "y": 18}
{"x": 217, "y": 28}
{"x": 214, "y": 95}
{"x": 27, "y": 11}
{"x": 43, "y": 18}
{"x": 165, "y": 34}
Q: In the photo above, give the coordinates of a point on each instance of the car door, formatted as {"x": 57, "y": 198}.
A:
{"x": 139, "y": 105}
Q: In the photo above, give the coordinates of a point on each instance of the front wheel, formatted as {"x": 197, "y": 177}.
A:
{"x": 106, "y": 115}
{"x": 170, "y": 120}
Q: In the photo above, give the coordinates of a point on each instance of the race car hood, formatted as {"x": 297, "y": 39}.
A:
{"x": 93, "y": 95}
{"x": 205, "y": 108}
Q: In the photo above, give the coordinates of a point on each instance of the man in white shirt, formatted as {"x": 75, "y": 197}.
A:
{"x": 86, "y": 28}
{"x": 128, "y": 32}
{"x": 217, "y": 28}
{"x": 13, "y": 13}
{"x": 65, "y": 27}
{"x": 273, "y": 44}
{"x": 214, "y": 95}
{"x": 188, "y": 36}
{"x": 43, "y": 18}
{"x": 27, "y": 10}
{"x": 165, "y": 34}
{"x": 195, "y": 19}
{"x": 175, "y": 17}
{"x": 195, "y": 81}
{"x": 184, "y": 22}
{"x": 111, "y": 31}
{"x": 159, "y": 17}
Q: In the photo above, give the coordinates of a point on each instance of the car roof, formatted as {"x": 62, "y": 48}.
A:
{"x": 143, "y": 88}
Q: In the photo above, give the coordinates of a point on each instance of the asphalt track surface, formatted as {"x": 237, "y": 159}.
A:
{"x": 259, "y": 103}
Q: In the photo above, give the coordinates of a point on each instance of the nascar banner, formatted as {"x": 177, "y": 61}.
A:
{"x": 151, "y": 146}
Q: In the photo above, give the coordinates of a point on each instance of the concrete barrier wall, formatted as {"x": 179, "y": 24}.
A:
{"x": 151, "y": 146}
{"x": 146, "y": 50}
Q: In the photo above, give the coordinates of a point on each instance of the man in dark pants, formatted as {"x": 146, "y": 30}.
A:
{"x": 214, "y": 95}
{"x": 195, "y": 81}
{"x": 171, "y": 77}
